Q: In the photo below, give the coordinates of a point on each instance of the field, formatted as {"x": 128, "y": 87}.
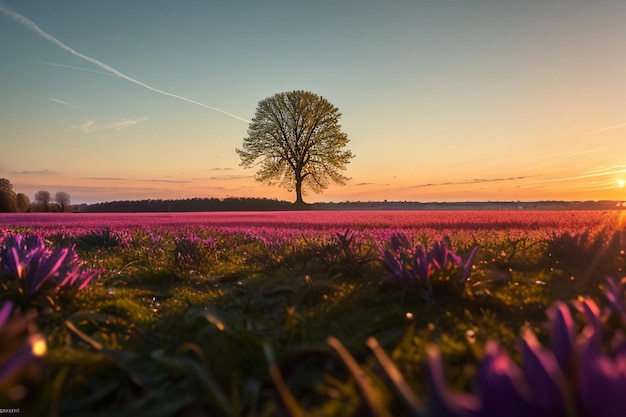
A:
{"x": 340, "y": 313}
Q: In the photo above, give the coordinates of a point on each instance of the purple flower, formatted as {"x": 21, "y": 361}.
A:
{"x": 574, "y": 377}
{"x": 563, "y": 334}
{"x": 442, "y": 257}
{"x": 602, "y": 378}
{"x": 614, "y": 293}
{"x": 27, "y": 260}
{"x": 414, "y": 265}
{"x": 538, "y": 389}
{"x": 502, "y": 388}
{"x": 20, "y": 343}
{"x": 551, "y": 395}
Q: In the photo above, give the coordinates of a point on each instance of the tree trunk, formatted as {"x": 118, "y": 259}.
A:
{"x": 299, "y": 200}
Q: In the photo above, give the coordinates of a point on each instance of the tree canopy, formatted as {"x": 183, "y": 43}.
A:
{"x": 8, "y": 198}
{"x": 296, "y": 139}
{"x": 63, "y": 200}
{"x": 42, "y": 198}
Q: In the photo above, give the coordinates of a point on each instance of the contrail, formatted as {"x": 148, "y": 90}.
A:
{"x": 65, "y": 103}
{"x": 12, "y": 14}
{"x": 77, "y": 68}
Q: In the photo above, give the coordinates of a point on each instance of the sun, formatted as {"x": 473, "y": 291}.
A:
{"x": 621, "y": 183}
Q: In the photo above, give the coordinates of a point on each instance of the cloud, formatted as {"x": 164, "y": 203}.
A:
{"x": 139, "y": 180}
{"x": 598, "y": 172}
{"x": 230, "y": 177}
{"x": 221, "y": 169}
{"x": 572, "y": 153}
{"x": 104, "y": 178}
{"x": 24, "y": 21}
{"x": 605, "y": 129}
{"x": 36, "y": 172}
{"x": 89, "y": 126}
{"x": 364, "y": 183}
{"x": 168, "y": 181}
{"x": 468, "y": 182}
{"x": 65, "y": 103}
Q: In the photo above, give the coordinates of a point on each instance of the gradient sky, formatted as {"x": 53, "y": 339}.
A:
{"x": 443, "y": 100}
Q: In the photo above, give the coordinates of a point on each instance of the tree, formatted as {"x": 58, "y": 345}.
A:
{"x": 297, "y": 140}
{"x": 8, "y": 199}
{"x": 42, "y": 198}
{"x": 63, "y": 199}
{"x": 23, "y": 203}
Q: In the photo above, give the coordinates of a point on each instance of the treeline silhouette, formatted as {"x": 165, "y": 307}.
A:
{"x": 188, "y": 205}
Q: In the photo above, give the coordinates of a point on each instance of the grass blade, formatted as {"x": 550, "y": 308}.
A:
{"x": 400, "y": 385}
{"x": 289, "y": 401}
{"x": 377, "y": 408}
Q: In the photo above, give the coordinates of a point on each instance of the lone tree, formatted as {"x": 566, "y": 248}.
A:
{"x": 63, "y": 199}
{"x": 297, "y": 140}
{"x": 42, "y": 199}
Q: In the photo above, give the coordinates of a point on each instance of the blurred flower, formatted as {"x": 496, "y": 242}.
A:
{"x": 614, "y": 293}
{"x": 602, "y": 378}
{"x": 575, "y": 377}
{"x": 20, "y": 342}
{"x": 563, "y": 334}
{"x": 538, "y": 389}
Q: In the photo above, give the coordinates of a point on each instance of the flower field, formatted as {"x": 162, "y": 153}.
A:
{"x": 314, "y": 313}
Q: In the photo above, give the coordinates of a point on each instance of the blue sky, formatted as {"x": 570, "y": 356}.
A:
{"x": 442, "y": 100}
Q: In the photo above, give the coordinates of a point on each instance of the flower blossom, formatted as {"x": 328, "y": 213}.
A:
{"x": 26, "y": 259}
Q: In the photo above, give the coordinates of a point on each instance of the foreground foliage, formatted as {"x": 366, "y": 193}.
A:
{"x": 196, "y": 319}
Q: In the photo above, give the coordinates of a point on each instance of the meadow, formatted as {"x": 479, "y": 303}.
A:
{"x": 319, "y": 313}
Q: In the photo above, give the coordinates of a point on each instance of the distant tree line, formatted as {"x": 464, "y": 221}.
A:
{"x": 189, "y": 205}
{"x": 12, "y": 202}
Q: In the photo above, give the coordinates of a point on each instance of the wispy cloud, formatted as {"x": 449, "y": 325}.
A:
{"x": 138, "y": 180}
{"x": 220, "y": 169}
{"x": 36, "y": 172}
{"x": 364, "y": 183}
{"x": 606, "y": 129}
{"x": 104, "y": 178}
{"x": 65, "y": 103}
{"x": 168, "y": 181}
{"x": 471, "y": 181}
{"x": 230, "y": 177}
{"x": 24, "y": 21}
{"x": 90, "y": 126}
{"x": 585, "y": 152}
{"x": 598, "y": 172}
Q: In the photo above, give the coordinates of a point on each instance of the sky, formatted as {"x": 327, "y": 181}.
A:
{"x": 442, "y": 100}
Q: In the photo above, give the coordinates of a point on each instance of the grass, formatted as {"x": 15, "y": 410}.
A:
{"x": 241, "y": 329}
